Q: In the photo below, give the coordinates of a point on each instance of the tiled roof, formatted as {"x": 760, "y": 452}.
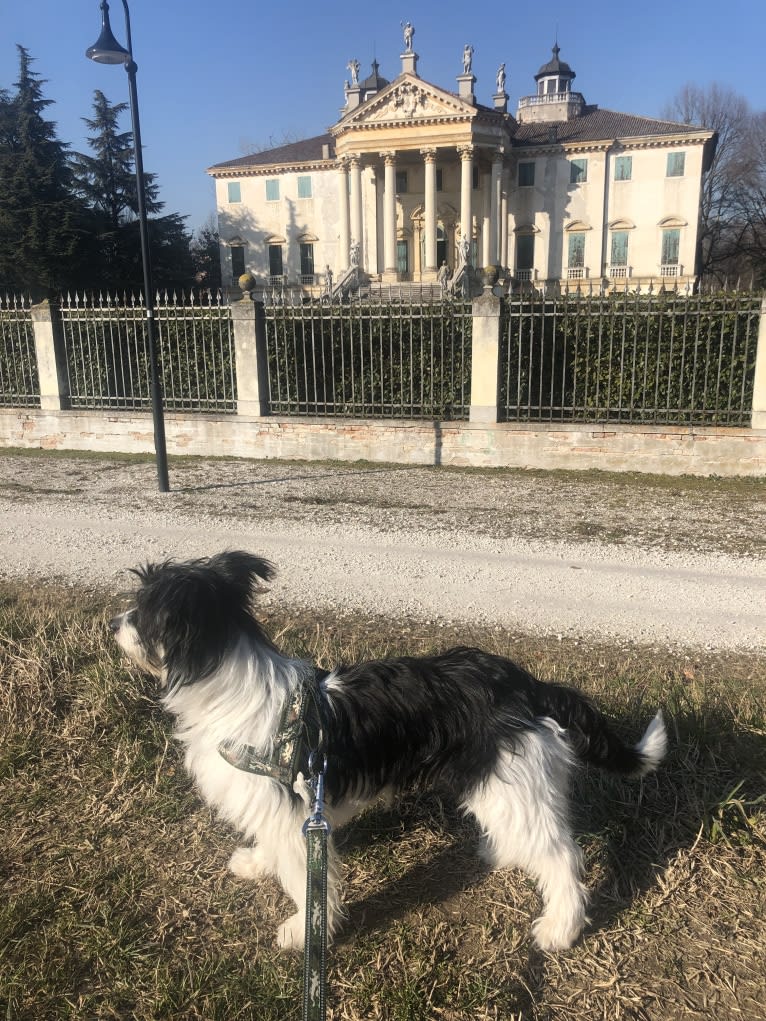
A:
{"x": 594, "y": 125}
{"x": 309, "y": 150}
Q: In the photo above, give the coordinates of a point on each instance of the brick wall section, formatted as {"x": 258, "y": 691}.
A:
{"x": 655, "y": 449}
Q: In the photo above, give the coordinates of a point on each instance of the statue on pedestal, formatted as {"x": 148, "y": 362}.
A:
{"x": 353, "y": 66}
{"x": 409, "y": 32}
{"x": 500, "y": 80}
{"x": 467, "y": 58}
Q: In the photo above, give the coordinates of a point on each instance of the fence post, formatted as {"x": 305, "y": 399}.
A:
{"x": 51, "y": 356}
{"x": 758, "y": 420}
{"x": 249, "y": 323}
{"x": 485, "y": 357}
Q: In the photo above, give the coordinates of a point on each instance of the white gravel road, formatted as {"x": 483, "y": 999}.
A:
{"x": 681, "y": 564}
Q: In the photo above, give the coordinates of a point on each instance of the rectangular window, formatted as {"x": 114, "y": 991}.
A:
{"x": 576, "y": 250}
{"x": 304, "y": 187}
{"x": 275, "y": 260}
{"x": 235, "y": 191}
{"x": 623, "y": 168}
{"x": 272, "y": 189}
{"x": 618, "y": 255}
{"x": 525, "y": 252}
{"x": 676, "y": 163}
{"x": 526, "y": 175}
{"x": 439, "y": 179}
{"x": 578, "y": 171}
{"x": 401, "y": 182}
{"x": 237, "y": 261}
{"x": 307, "y": 263}
{"x": 671, "y": 242}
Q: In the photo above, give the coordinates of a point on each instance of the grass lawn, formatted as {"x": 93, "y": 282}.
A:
{"x": 117, "y": 903}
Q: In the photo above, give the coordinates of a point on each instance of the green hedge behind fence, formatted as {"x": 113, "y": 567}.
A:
{"x": 370, "y": 359}
{"x": 666, "y": 359}
{"x": 107, "y": 356}
{"x": 19, "y": 382}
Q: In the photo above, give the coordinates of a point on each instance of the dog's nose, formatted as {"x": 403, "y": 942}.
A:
{"x": 115, "y": 624}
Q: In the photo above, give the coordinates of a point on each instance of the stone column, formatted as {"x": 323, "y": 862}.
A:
{"x": 504, "y": 259}
{"x": 389, "y": 216}
{"x": 373, "y": 226}
{"x": 344, "y": 227}
{"x": 51, "y": 358}
{"x": 430, "y": 268}
{"x": 758, "y": 420}
{"x": 495, "y": 231}
{"x": 466, "y": 191}
{"x": 356, "y": 205}
{"x": 249, "y": 328}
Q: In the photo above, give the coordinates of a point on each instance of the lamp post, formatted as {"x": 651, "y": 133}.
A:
{"x": 106, "y": 50}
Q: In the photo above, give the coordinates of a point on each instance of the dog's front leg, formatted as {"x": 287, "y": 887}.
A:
{"x": 291, "y": 872}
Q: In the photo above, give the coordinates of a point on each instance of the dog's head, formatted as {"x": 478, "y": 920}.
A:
{"x": 189, "y": 615}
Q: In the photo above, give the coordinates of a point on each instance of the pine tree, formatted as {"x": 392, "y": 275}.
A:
{"x": 106, "y": 182}
{"x": 42, "y": 225}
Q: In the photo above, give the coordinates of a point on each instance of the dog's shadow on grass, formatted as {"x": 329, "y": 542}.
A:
{"x": 702, "y": 794}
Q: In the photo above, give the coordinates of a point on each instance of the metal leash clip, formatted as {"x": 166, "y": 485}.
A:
{"x": 317, "y": 821}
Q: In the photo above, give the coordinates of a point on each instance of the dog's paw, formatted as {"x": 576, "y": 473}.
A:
{"x": 248, "y": 863}
{"x": 553, "y": 933}
{"x": 291, "y": 934}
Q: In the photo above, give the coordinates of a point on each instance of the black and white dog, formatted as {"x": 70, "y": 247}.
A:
{"x": 472, "y": 723}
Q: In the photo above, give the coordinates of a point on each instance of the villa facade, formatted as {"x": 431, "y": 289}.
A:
{"x": 413, "y": 176}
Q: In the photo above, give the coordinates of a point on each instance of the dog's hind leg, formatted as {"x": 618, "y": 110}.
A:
{"x": 523, "y": 810}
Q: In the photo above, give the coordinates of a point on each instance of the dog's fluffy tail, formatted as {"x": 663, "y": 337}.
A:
{"x": 591, "y": 737}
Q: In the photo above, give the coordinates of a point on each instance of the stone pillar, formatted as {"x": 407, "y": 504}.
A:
{"x": 389, "y": 216}
{"x": 51, "y": 357}
{"x": 356, "y": 205}
{"x": 495, "y": 209}
{"x": 249, "y": 325}
{"x": 485, "y": 358}
{"x": 466, "y": 191}
{"x": 758, "y": 420}
{"x": 430, "y": 268}
{"x": 344, "y": 227}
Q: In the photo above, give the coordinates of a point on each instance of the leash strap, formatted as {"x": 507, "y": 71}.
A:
{"x": 316, "y": 830}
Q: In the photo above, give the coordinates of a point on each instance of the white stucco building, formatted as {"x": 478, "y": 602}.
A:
{"x": 412, "y": 172}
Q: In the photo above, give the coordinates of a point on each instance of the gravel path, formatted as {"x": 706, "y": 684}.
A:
{"x": 681, "y": 562}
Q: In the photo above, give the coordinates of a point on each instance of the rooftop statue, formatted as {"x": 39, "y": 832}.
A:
{"x": 467, "y": 58}
{"x": 409, "y": 32}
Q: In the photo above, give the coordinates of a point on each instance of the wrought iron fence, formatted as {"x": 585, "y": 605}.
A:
{"x": 19, "y": 381}
{"x": 107, "y": 355}
{"x": 389, "y": 354}
{"x": 661, "y": 357}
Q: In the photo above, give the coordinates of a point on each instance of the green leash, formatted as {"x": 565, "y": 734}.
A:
{"x": 316, "y": 830}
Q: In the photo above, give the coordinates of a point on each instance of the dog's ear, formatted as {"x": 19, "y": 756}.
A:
{"x": 242, "y": 570}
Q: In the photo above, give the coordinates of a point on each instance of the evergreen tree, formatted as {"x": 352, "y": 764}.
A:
{"x": 106, "y": 182}
{"x": 42, "y": 225}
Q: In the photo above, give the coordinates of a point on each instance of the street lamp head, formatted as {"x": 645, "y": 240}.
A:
{"x": 106, "y": 49}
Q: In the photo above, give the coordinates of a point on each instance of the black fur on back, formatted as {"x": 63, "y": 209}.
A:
{"x": 442, "y": 720}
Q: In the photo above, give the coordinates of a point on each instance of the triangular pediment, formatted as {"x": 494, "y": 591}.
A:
{"x": 408, "y": 99}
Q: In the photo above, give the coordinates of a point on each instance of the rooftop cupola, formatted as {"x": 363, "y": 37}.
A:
{"x": 554, "y": 99}
{"x": 554, "y": 77}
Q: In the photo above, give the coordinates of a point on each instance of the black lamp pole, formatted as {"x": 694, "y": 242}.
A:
{"x": 106, "y": 50}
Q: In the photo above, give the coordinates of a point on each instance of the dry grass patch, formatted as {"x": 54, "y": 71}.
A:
{"x": 117, "y": 903}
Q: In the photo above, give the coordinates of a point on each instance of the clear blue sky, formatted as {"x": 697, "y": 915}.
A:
{"x": 216, "y": 80}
